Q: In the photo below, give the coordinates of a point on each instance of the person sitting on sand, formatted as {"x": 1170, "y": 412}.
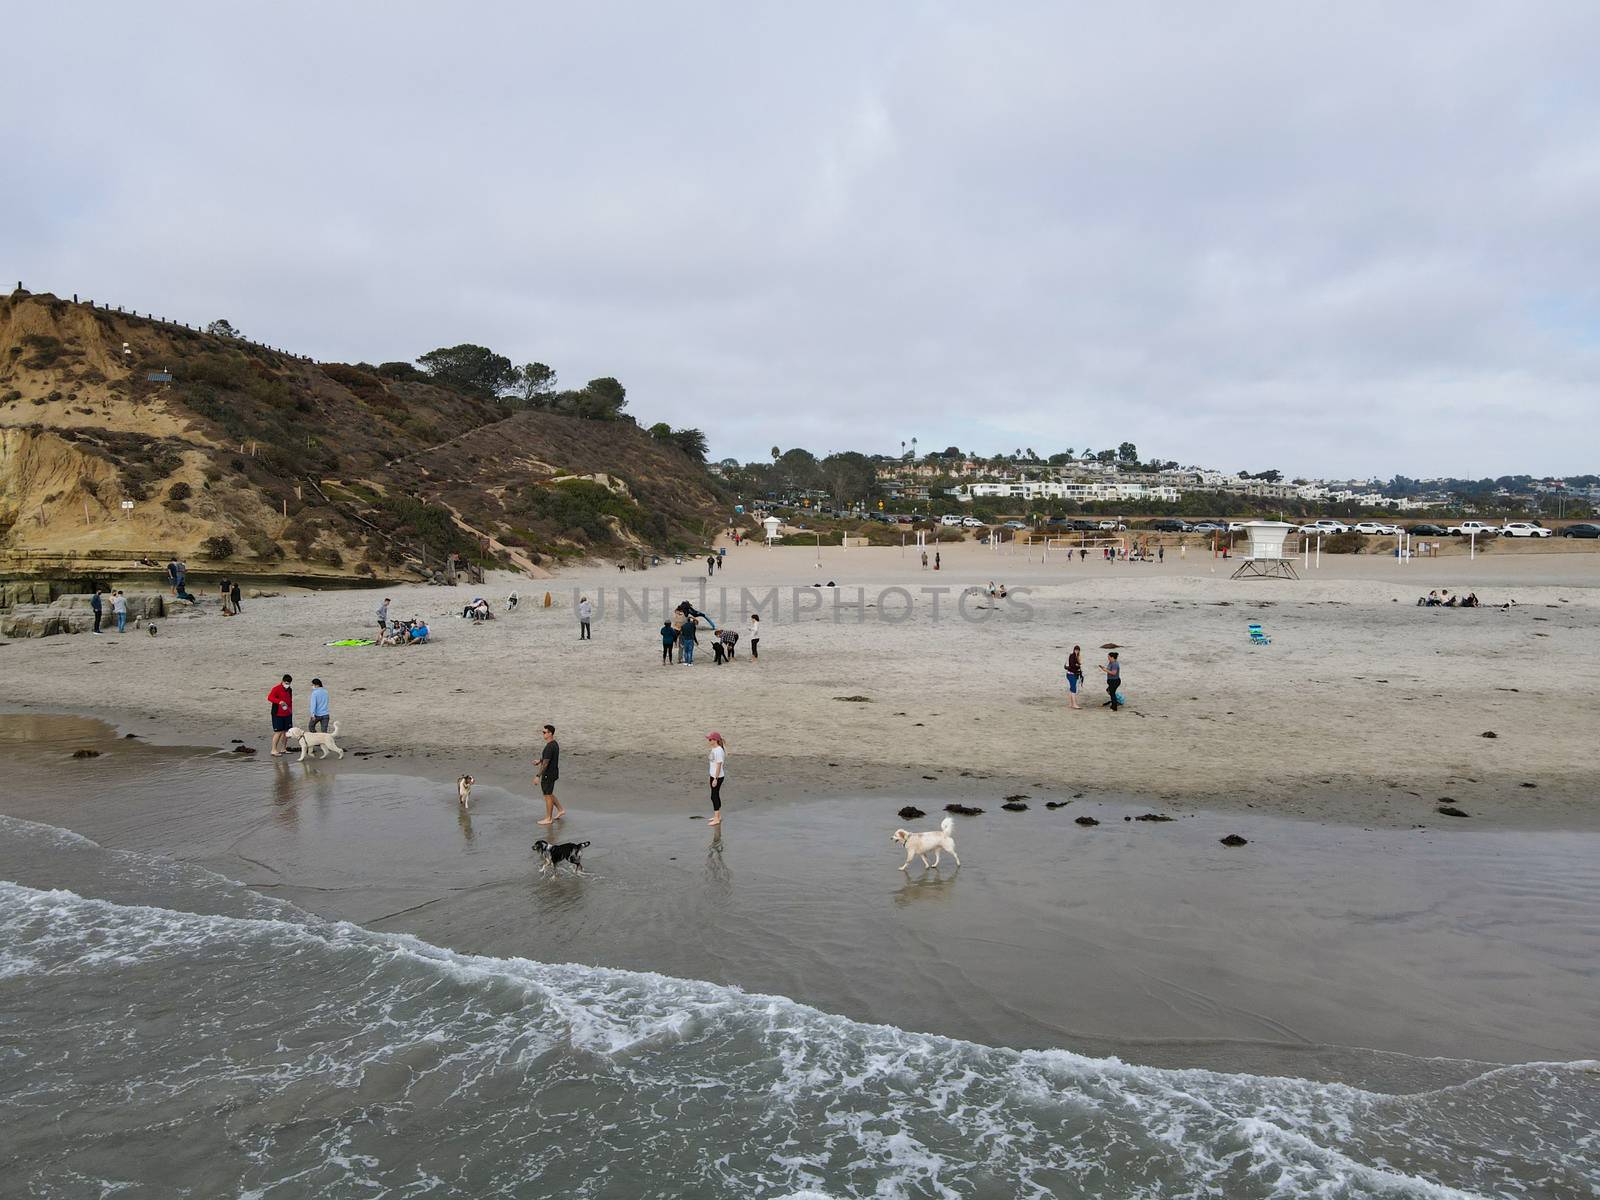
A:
{"x": 417, "y": 633}
{"x": 1002, "y": 593}
{"x": 1471, "y": 601}
{"x": 511, "y": 602}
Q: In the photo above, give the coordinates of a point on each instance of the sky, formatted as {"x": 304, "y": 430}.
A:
{"x": 1339, "y": 240}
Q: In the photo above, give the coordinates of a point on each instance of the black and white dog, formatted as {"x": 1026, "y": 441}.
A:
{"x": 564, "y": 852}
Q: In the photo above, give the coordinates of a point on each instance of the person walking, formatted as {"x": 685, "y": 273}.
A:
{"x": 183, "y": 576}
{"x": 227, "y": 598}
{"x": 233, "y": 595}
{"x": 585, "y": 613}
{"x": 172, "y": 574}
{"x": 711, "y": 565}
{"x": 1161, "y": 553}
{"x": 280, "y": 701}
{"x": 924, "y": 560}
{"x": 119, "y": 609}
{"x": 669, "y": 639}
{"x": 383, "y": 614}
{"x": 319, "y": 707}
{"x": 717, "y": 765}
{"x": 1074, "y": 676}
{"x": 686, "y": 640}
{"x": 95, "y": 605}
{"x": 548, "y": 771}
{"x": 755, "y": 636}
{"x": 1113, "y": 673}
{"x": 936, "y": 560}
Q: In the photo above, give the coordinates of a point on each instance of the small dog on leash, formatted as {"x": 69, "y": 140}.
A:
{"x": 321, "y": 742}
{"x": 935, "y": 842}
{"x": 464, "y": 790}
{"x": 563, "y": 852}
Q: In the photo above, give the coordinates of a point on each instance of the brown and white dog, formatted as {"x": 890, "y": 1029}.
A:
{"x": 935, "y": 842}
{"x": 464, "y": 790}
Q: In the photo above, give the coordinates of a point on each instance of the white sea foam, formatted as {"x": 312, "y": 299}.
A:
{"x": 345, "y": 1044}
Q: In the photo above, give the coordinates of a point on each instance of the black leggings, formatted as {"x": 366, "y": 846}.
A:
{"x": 1113, "y": 682}
{"x": 755, "y": 645}
{"x": 666, "y": 652}
{"x": 716, "y": 795}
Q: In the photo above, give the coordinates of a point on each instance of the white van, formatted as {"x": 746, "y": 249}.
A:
{"x": 950, "y": 519}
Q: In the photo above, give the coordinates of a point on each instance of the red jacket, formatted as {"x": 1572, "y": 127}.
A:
{"x": 282, "y": 701}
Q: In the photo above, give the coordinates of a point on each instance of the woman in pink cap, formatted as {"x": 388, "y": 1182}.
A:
{"x": 719, "y": 757}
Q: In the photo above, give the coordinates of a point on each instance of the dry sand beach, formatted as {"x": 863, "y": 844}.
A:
{"x": 1364, "y": 709}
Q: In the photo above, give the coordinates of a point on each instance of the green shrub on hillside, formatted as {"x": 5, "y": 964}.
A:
{"x": 579, "y": 508}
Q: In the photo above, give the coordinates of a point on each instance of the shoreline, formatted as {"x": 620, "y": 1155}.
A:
{"x": 621, "y": 782}
{"x": 1318, "y": 951}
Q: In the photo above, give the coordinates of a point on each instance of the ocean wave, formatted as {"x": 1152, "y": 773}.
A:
{"x": 255, "y": 1055}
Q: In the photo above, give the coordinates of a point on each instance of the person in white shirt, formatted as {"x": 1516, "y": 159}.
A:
{"x": 119, "y": 609}
{"x": 717, "y": 766}
{"x": 755, "y": 636}
{"x": 585, "y": 611}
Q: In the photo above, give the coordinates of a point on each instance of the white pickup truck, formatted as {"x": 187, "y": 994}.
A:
{"x": 1470, "y": 528}
{"x": 1524, "y": 529}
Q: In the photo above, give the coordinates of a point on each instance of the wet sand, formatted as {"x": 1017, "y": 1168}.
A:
{"x": 1381, "y": 958}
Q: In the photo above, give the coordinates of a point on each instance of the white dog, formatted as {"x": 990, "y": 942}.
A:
{"x": 464, "y": 790}
{"x": 920, "y": 845}
{"x": 322, "y": 742}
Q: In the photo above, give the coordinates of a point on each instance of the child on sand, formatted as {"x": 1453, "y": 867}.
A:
{"x": 716, "y": 765}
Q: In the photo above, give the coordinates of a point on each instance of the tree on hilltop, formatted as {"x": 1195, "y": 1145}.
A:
{"x": 692, "y": 442}
{"x": 1128, "y": 453}
{"x": 535, "y": 383}
{"x": 601, "y": 399}
{"x": 470, "y": 368}
{"x": 223, "y": 328}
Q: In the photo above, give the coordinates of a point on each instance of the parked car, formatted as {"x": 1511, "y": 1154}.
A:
{"x": 972, "y": 523}
{"x": 1112, "y": 526}
{"x": 1372, "y": 528}
{"x": 1016, "y": 525}
{"x": 1169, "y": 525}
{"x": 1583, "y": 530}
{"x": 1524, "y": 529}
{"x": 1468, "y": 528}
{"x": 1235, "y": 526}
{"x": 905, "y": 519}
{"x": 1427, "y": 531}
{"x": 1207, "y": 527}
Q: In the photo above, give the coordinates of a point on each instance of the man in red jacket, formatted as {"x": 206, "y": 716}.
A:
{"x": 281, "y": 701}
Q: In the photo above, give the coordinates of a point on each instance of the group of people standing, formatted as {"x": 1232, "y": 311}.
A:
{"x": 280, "y": 707}
{"x": 680, "y": 634}
{"x": 1112, "y": 669}
{"x": 547, "y": 770}
{"x": 229, "y": 591}
{"x": 119, "y": 609}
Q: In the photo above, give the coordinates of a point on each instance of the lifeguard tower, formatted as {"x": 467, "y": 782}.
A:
{"x": 1266, "y": 559}
{"x": 771, "y": 524}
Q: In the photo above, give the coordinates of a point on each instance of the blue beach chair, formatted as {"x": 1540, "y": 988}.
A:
{"x": 1257, "y": 636}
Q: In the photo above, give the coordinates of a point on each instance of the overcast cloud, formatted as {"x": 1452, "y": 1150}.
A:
{"x": 1338, "y": 240}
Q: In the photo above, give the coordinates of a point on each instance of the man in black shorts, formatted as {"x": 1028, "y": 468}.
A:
{"x": 549, "y": 770}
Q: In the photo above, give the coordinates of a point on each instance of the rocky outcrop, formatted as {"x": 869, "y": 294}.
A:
{"x": 73, "y": 614}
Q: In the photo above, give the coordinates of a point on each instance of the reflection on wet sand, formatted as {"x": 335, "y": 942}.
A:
{"x": 930, "y": 886}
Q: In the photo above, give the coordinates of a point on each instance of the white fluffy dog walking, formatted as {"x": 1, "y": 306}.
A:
{"x": 321, "y": 742}
{"x": 935, "y": 842}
